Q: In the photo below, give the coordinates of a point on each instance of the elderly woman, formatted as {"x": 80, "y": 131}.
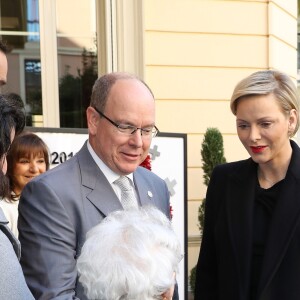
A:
{"x": 12, "y": 282}
{"x": 131, "y": 254}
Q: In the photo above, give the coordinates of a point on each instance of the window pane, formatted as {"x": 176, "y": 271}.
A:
{"x": 77, "y": 59}
{"x": 33, "y": 85}
{"x": 20, "y": 30}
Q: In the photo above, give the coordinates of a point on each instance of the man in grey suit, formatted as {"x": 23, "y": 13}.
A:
{"x": 60, "y": 206}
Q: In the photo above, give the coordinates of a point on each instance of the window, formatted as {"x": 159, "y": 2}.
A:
{"x": 33, "y": 92}
{"x": 19, "y": 26}
{"x": 58, "y": 47}
{"x": 77, "y": 59}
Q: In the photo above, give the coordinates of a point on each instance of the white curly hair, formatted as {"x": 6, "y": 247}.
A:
{"x": 131, "y": 254}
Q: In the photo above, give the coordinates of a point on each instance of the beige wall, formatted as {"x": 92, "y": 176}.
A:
{"x": 195, "y": 53}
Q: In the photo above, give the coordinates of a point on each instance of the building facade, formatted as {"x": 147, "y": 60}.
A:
{"x": 190, "y": 52}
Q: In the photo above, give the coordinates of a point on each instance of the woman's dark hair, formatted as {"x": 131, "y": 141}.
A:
{"x": 3, "y": 47}
{"x": 12, "y": 118}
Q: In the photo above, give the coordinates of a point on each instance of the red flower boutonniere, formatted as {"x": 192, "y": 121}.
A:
{"x": 147, "y": 164}
{"x": 171, "y": 212}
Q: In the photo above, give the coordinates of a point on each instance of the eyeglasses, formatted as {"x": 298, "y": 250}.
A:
{"x": 150, "y": 131}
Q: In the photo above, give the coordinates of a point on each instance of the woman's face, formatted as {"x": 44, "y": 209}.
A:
{"x": 264, "y": 129}
{"x": 3, "y": 160}
{"x": 25, "y": 169}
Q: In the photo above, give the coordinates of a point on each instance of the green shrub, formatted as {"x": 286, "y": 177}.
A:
{"x": 192, "y": 279}
{"x": 212, "y": 153}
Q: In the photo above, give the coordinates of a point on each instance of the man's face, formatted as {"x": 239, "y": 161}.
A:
{"x": 130, "y": 103}
{"x": 3, "y": 69}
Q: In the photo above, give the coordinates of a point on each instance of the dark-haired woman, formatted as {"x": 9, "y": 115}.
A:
{"x": 27, "y": 158}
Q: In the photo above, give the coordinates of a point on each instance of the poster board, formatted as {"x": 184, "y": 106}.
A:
{"x": 168, "y": 161}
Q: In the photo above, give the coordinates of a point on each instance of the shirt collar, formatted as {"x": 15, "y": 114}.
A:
{"x": 110, "y": 175}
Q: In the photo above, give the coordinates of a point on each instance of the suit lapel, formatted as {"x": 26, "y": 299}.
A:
{"x": 240, "y": 218}
{"x": 284, "y": 221}
{"x": 145, "y": 193}
{"x": 103, "y": 196}
{"x": 97, "y": 189}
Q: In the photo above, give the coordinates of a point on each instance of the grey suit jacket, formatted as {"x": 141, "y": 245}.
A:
{"x": 58, "y": 208}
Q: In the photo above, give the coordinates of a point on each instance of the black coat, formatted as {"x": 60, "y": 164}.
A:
{"x": 224, "y": 265}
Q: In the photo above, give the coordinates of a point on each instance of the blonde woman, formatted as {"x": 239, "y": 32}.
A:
{"x": 251, "y": 240}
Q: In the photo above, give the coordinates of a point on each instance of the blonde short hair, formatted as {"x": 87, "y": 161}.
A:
{"x": 268, "y": 82}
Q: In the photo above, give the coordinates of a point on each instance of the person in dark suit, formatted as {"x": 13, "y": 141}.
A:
{"x": 130, "y": 255}
{"x": 250, "y": 248}
{"x": 58, "y": 208}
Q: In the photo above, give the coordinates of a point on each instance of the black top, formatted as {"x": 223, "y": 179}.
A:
{"x": 264, "y": 207}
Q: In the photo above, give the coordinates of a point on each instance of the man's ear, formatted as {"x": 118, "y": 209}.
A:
{"x": 92, "y": 120}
